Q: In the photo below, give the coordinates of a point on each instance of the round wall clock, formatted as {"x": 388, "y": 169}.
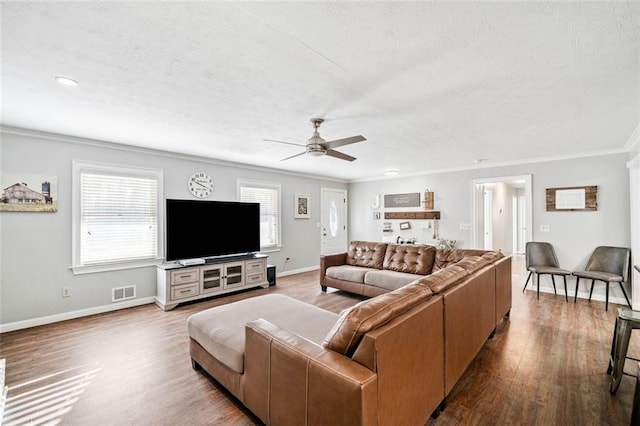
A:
{"x": 200, "y": 185}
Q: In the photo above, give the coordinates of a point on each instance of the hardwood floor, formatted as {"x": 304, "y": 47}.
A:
{"x": 546, "y": 365}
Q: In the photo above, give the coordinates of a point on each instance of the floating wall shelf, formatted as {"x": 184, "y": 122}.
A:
{"x": 429, "y": 215}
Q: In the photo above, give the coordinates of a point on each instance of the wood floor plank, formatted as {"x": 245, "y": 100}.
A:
{"x": 546, "y": 365}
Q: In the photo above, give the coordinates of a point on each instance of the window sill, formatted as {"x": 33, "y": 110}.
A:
{"x": 106, "y": 267}
{"x": 270, "y": 250}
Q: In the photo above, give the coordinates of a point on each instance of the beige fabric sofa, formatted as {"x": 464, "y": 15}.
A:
{"x": 391, "y": 359}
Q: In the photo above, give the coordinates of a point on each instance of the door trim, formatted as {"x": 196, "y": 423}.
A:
{"x": 528, "y": 193}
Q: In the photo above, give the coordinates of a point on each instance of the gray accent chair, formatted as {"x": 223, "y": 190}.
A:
{"x": 541, "y": 259}
{"x": 609, "y": 265}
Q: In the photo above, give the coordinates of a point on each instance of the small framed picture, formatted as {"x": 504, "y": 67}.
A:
{"x": 302, "y": 207}
{"x": 405, "y": 225}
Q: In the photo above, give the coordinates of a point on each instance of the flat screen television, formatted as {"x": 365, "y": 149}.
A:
{"x": 203, "y": 229}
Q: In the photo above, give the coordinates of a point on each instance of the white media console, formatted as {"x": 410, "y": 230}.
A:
{"x": 178, "y": 284}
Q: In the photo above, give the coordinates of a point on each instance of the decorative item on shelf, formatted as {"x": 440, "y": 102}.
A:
{"x": 428, "y": 199}
{"x": 376, "y": 202}
{"x": 447, "y": 244}
{"x": 387, "y": 227}
{"x": 376, "y": 215}
{"x": 405, "y": 225}
{"x": 302, "y": 207}
{"x": 401, "y": 240}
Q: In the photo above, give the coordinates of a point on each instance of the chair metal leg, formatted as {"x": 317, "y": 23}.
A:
{"x": 612, "y": 355}
{"x": 606, "y": 298}
{"x": 623, "y": 333}
{"x": 591, "y": 292}
{"x": 554, "y": 285}
{"x": 566, "y": 294}
{"x": 575, "y": 296}
{"x": 625, "y": 294}
{"x": 538, "y": 279}
{"x": 527, "y": 282}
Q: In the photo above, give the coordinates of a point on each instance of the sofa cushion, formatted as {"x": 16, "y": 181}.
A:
{"x": 351, "y": 273}
{"x": 220, "y": 330}
{"x": 370, "y": 314}
{"x": 473, "y": 263}
{"x": 445, "y": 258}
{"x": 493, "y": 256}
{"x": 444, "y": 279}
{"x": 410, "y": 258}
{"x": 366, "y": 253}
{"x": 389, "y": 280}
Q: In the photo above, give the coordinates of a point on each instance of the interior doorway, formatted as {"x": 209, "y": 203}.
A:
{"x": 501, "y": 213}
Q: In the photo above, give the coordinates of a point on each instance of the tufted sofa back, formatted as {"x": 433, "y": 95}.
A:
{"x": 409, "y": 258}
{"x": 370, "y": 314}
{"x": 366, "y": 253}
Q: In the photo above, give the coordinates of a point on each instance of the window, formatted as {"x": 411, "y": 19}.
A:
{"x": 268, "y": 195}
{"x": 117, "y": 217}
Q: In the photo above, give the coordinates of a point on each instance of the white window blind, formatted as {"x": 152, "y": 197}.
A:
{"x": 268, "y": 195}
{"x": 117, "y": 215}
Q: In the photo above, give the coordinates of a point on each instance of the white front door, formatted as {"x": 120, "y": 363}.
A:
{"x": 333, "y": 221}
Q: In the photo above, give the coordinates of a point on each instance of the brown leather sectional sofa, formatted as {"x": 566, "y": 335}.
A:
{"x": 391, "y": 359}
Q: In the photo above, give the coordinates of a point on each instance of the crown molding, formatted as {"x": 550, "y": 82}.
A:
{"x": 633, "y": 144}
{"x": 492, "y": 165}
{"x": 20, "y": 131}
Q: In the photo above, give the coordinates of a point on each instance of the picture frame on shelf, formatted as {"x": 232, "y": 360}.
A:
{"x": 405, "y": 225}
{"x": 302, "y": 206}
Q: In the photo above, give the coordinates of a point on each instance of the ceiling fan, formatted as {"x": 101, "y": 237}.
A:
{"x": 317, "y": 146}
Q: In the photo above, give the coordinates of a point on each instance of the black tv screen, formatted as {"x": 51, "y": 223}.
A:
{"x": 201, "y": 229}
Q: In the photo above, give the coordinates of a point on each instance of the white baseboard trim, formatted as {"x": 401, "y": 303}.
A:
{"x": 34, "y": 322}
{"x": 581, "y": 294}
{"x": 299, "y": 271}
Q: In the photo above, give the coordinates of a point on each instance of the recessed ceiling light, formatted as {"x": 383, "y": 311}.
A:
{"x": 66, "y": 81}
{"x": 391, "y": 172}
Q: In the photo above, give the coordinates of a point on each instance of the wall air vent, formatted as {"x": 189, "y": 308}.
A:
{"x": 123, "y": 293}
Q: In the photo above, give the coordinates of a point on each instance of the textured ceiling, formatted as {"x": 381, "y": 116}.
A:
{"x": 431, "y": 85}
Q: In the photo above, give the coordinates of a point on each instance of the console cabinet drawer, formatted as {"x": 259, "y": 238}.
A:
{"x": 181, "y": 277}
{"x": 182, "y": 291}
{"x": 255, "y": 266}
{"x": 255, "y": 278}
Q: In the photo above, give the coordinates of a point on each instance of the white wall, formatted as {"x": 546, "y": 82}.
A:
{"x": 573, "y": 234}
{"x": 35, "y": 248}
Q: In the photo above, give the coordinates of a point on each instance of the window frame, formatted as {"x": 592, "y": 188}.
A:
{"x": 79, "y": 167}
{"x": 277, "y": 186}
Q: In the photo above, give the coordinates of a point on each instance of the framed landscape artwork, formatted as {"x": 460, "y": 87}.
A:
{"x": 302, "y": 206}
{"x": 28, "y": 193}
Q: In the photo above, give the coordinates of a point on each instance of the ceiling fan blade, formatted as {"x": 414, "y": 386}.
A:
{"x": 340, "y": 155}
{"x": 288, "y": 143}
{"x": 293, "y": 156}
{"x": 342, "y": 142}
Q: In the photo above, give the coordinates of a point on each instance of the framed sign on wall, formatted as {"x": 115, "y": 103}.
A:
{"x": 402, "y": 200}
{"x": 572, "y": 198}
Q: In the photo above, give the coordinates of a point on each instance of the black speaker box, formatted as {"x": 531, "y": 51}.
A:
{"x": 271, "y": 274}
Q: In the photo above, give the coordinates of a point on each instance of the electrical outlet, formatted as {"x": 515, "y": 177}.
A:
{"x": 66, "y": 291}
{"x": 544, "y": 228}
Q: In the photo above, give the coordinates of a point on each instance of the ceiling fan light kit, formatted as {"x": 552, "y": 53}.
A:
{"x": 316, "y": 146}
